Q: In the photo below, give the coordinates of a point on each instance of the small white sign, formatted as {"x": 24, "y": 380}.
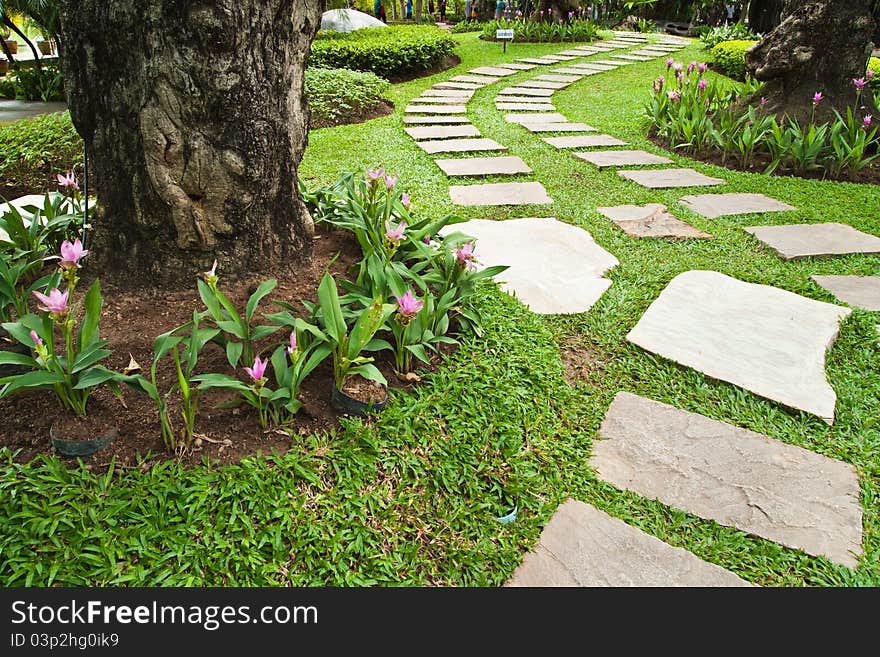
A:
{"x": 504, "y": 34}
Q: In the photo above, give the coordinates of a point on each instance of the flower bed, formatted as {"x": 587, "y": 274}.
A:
{"x": 337, "y": 96}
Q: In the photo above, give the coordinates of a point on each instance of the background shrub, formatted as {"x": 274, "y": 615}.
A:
{"x": 874, "y": 65}
{"x": 543, "y": 32}
{"x": 467, "y": 26}
{"x": 338, "y": 95}
{"x": 712, "y": 36}
{"x": 729, "y": 57}
{"x": 389, "y": 52}
{"x": 34, "y": 84}
{"x": 32, "y": 150}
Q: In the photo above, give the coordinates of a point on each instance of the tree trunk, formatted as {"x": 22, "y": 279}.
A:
{"x": 418, "y": 11}
{"x": 821, "y": 46}
{"x": 194, "y": 120}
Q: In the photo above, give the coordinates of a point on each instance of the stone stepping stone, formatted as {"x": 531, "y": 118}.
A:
{"x": 572, "y": 53}
{"x": 604, "y": 48}
{"x": 525, "y": 106}
{"x": 496, "y": 71}
{"x": 603, "y": 159}
{"x": 526, "y": 91}
{"x": 476, "y": 79}
{"x": 649, "y": 53}
{"x": 712, "y": 206}
{"x": 807, "y": 240}
{"x": 438, "y": 100}
{"x": 733, "y": 476}
{"x": 663, "y": 178}
{"x": 634, "y": 58}
{"x": 435, "y": 109}
{"x": 546, "y": 100}
{"x": 537, "y": 60}
{"x": 538, "y": 117}
{"x": 649, "y": 220}
{"x": 559, "y": 127}
{"x": 577, "y": 71}
{"x": 447, "y": 93}
{"x": 583, "y": 546}
{"x": 766, "y": 340}
{"x": 518, "y": 67}
{"x": 435, "y": 119}
{"x": 514, "y": 193}
{"x": 443, "y": 131}
{"x": 584, "y": 141}
{"x": 559, "y": 58}
{"x": 483, "y": 166}
{"x": 596, "y": 66}
{"x": 555, "y": 268}
{"x": 543, "y": 84}
{"x": 584, "y": 50}
{"x": 460, "y": 145}
{"x": 859, "y": 291}
{"x": 471, "y": 86}
{"x": 559, "y": 78}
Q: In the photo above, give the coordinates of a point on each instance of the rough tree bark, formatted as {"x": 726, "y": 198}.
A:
{"x": 822, "y": 46}
{"x": 194, "y": 119}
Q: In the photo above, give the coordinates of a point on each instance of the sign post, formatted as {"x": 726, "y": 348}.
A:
{"x": 504, "y": 36}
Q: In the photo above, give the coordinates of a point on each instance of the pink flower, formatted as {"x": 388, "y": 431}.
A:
{"x": 390, "y": 181}
{"x": 869, "y": 74}
{"x": 373, "y": 176}
{"x": 465, "y": 255}
{"x": 292, "y": 348}
{"x": 404, "y": 200}
{"x": 677, "y": 66}
{"x": 860, "y": 83}
{"x": 866, "y": 123}
{"x": 763, "y": 101}
{"x": 56, "y": 302}
{"x": 408, "y": 305}
{"x": 67, "y": 180}
{"x": 669, "y": 63}
{"x": 674, "y": 96}
{"x": 395, "y": 234}
{"x": 817, "y": 98}
{"x": 703, "y": 67}
{"x": 71, "y": 253}
{"x": 691, "y": 67}
{"x": 681, "y": 77}
{"x": 702, "y": 85}
{"x": 36, "y": 338}
{"x": 258, "y": 370}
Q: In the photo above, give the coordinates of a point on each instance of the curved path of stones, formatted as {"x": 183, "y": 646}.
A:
{"x": 764, "y": 339}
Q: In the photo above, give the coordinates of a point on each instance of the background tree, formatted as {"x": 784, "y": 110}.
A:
{"x": 194, "y": 121}
{"x": 821, "y": 45}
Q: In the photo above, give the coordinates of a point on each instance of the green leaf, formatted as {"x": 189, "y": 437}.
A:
{"x": 209, "y": 299}
{"x": 12, "y": 358}
{"x": 280, "y": 365}
{"x": 371, "y": 320}
{"x": 233, "y": 353}
{"x": 419, "y": 352}
{"x": 233, "y": 328}
{"x": 315, "y": 359}
{"x": 265, "y": 288}
{"x": 328, "y": 298}
{"x": 263, "y": 331}
{"x": 369, "y": 372}
{"x": 163, "y": 344}
{"x": 38, "y": 379}
{"x": 88, "y": 332}
{"x": 90, "y": 357}
{"x": 209, "y": 381}
{"x": 94, "y": 377}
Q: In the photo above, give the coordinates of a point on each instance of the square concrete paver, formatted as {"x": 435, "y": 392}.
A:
{"x": 712, "y": 206}
{"x": 594, "y": 66}
{"x": 608, "y": 64}
{"x": 496, "y": 71}
{"x": 543, "y": 84}
{"x": 575, "y": 52}
{"x": 577, "y": 71}
{"x": 537, "y": 60}
{"x": 635, "y": 58}
{"x": 470, "y": 86}
{"x": 559, "y": 58}
{"x": 663, "y": 178}
{"x": 460, "y": 145}
{"x": 483, "y": 166}
{"x": 533, "y": 107}
{"x": 603, "y": 159}
{"x": 554, "y": 267}
{"x": 537, "y": 117}
{"x": 545, "y": 101}
{"x": 514, "y": 193}
{"x": 447, "y": 93}
{"x": 518, "y": 66}
{"x": 552, "y": 77}
{"x": 443, "y": 131}
{"x": 766, "y": 340}
{"x": 584, "y": 141}
{"x": 583, "y": 546}
{"x": 481, "y": 80}
{"x": 433, "y": 119}
{"x": 806, "y": 240}
{"x": 435, "y": 109}
{"x": 859, "y": 291}
{"x": 438, "y": 100}
{"x": 559, "y": 127}
{"x": 733, "y": 476}
{"x": 651, "y": 220}
{"x": 525, "y": 91}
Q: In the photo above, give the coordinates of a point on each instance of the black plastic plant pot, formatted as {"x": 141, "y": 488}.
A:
{"x": 85, "y": 447}
{"x": 351, "y": 406}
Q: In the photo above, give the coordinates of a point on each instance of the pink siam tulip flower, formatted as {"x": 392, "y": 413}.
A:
{"x": 817, "y": 97}
{"x": 374, "y": 175}
{"x": 677, "y": 66}
{"x": 702, "y": 85}
{"x": 71, "y": 253}
{"x": 860, "y": 83}
{"x": 390, "y": 181}
{"x": 36, "y": 338}
{"x": 674, "y": 96}
{"x": 56, "y": 302}
{"x": 292, "y": 348}
{"x": 395, "y": 234}
{"x": 258, "y": 371}
{"x": 408, "y": 305}
{"x": 866, "y": 123}
{"x": 404, "y": 200}
{"x": 681, "y": 77}
{"x": 465, "y": 255}
{"x": 669, "y": 63}
{"x": 702, "y": 67}
{"x": 869, "y": 74}
{"x": 691, "y": 67}
{"x": 67, "y": 180}
{"x": 763, "y": 101}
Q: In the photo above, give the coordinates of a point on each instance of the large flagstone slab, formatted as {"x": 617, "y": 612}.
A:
{"x": 574, "y": 52}
{"x": 712, "y": 206}
{"x": 583, "y": 546}
{"x": 664, "y": 178}
{"x": 496, "y": 71}
{"x": 434, "y": 119}
{"x": 542, "y": 100}
{"x": 515, "y": 193}
{"x": 859, "y": 291}
{"x": 470, "y": 86}
{"x": 460, "y": 145}
{"x": 482, "y": 80}
{"x": 536, "y": 117}
{"x": 603, "y": 159}
{"x": 733, "y": 476}
{"x": 555, "y": 268}
{"x": 559, "y": 127}
{"x": 552, "y": 77}
{"x": 447, "y": 93}
{"x": 577, "y": 71}
{"x": 766, "y": 340}
{"x": 435, "y": 109}
{"x": 438, "y": 100}
{"x": 651, "y": 220}
{"x": 517, "y": 66}
{"x": 524, "y": 91}
{"x": 608, "y": 63}
{"x": 649, "y": 52}
{"x": 443, "y": 131}
{"x": 807, "y": 240}
{"x": 595, "y": 66}
{"x": 483, "y": 166}
{"x": 584, "y": 141}
{"x": 559, "y": 58}
{"x": 543, "y": 84}
{"x": 531, "y": 107}
{"x": 634, "y": 58}
{"x": 536, "y": 60}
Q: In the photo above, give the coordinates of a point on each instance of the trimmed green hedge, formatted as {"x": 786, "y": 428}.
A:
{"x": 874, "y": 65}
{"x": 31, "y": 150}
{"x": 338, "y": 95}
{"x": 389, "y": 52}
{"x": 729, "y": 57}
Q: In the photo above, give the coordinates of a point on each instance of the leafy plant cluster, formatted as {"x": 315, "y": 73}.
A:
{"x": 30, "y": 149}
{"x": 40, "y": 84}
{"x": 729, "y": 57}
{"x": 338, "y": 95}
{"x": 692, "y": 114}
{"x": 733, "y": 32}
{"x": 531, "y": 31}
{"x": 469, "y": 25}
{"x": 389, "y": 52}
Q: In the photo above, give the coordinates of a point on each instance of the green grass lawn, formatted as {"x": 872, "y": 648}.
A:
{"x": 411, "y": 496}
